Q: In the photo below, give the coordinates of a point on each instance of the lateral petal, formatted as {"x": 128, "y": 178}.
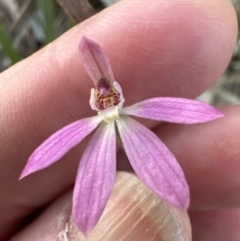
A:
{"x": 58, "y": 144}
{"x": 95, "y": 60}
{"x": 175, "y": 110}
{"x": 153, "y": 162}
{"x": 95, "y": 178}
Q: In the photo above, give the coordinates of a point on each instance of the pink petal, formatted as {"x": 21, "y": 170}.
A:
{"x": 175, "y": 110}
{"x": 95, "y": 60}
{"x": 95, "y": 178}
{"x": 153, "y": 162}
{"x": 58, "y": 144}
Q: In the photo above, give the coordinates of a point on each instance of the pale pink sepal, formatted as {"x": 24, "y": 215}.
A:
{"x": 153, "y": 162}
{"x": 59, "y": 144}
{"x": 95, "y": 178}
{"x": 95, "y": 60}
{"x": 175, "y": 110}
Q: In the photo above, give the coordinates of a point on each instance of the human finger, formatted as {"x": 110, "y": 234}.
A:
{"x": 46, "y": 91}
{"x": 209, "y": 155}
{"x": 220, "y": 225}
{"x": 132, "y": 213}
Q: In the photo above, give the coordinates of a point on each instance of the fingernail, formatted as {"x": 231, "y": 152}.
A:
{"x": 135, "y": 213}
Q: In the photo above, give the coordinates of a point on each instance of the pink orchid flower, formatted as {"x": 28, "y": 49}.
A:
{"x": 154, "y": 164}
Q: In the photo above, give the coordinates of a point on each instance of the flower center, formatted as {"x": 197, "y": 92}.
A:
{"x": 107, "y": 99}
{"x": 107, "y": 104}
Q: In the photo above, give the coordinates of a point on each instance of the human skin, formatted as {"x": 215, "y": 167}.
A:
{"x": 156, "y": 48}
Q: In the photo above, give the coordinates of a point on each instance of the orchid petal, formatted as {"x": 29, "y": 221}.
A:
{"x": 95, "y": 178}
{"x": 95, "y": 60}
{"x": 175, "y": 110}
{"x": 153, "y": 162}
{"x": 58, "y": 144}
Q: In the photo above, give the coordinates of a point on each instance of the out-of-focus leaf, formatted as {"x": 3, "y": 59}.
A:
{"x": 77, "y": 10}
{"x": 49, "y": 16}
{"x": 109, "y": 2}
{"x": 22, "y": 18}
{"x": 7, "y": 46}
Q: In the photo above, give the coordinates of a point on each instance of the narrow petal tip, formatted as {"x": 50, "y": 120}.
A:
{"x": 23, "y": 174}
{"x": 95, "y": 60}
{"x": 219, "y": 114}
{"x": 184, "y": 202}
{"x": 85, "y": 231}
{"x": 84, "y": 42}
{"x": 212, "y": 113}
{"x": 26, "y": 171}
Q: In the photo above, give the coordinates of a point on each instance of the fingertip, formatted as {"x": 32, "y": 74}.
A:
{"x": 132, "y": 213}
{"x": 24, "y": 173}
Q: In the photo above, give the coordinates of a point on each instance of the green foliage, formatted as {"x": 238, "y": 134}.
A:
{"x": 7, "y": 46}
{"x": 49, "y": 15}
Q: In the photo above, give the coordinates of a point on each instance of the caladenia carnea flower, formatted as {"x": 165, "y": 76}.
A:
{"x": 154, "y": 164}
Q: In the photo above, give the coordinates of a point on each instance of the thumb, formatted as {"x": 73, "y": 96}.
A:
{"x": 133, "y": 213}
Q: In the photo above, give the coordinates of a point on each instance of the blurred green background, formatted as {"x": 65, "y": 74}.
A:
{"x": 28, "y": 25}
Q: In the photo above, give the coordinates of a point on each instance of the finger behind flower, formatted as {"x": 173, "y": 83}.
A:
{"x": 220, "y": 225}
{"x": 209, "y": 155}
{"x": 50, "y": 89}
